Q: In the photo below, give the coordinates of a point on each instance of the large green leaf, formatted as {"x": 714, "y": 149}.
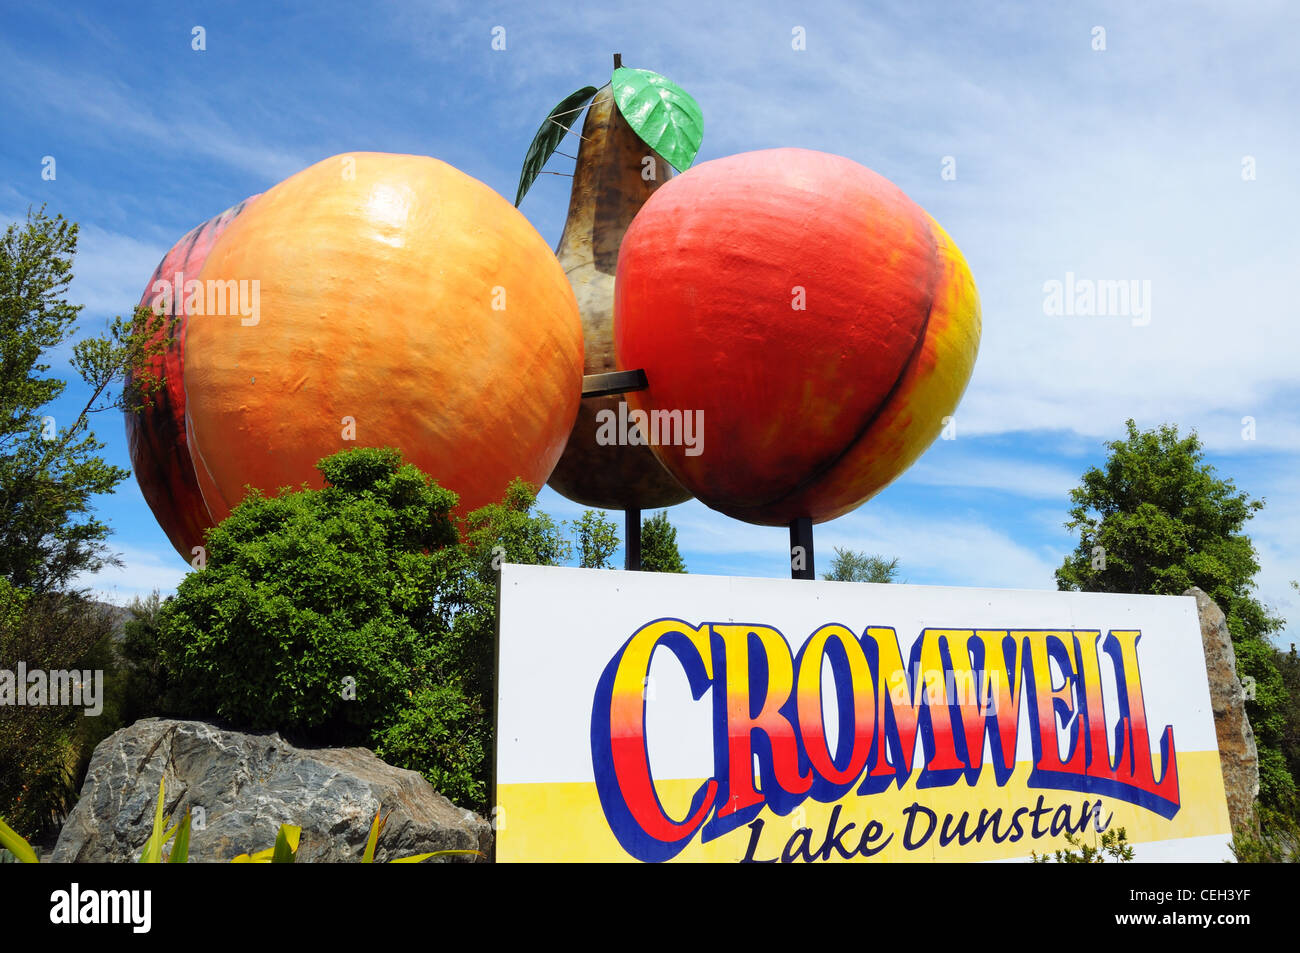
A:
{"x": 152, "y": 853}
{"x": 11, "y": 841}
{"x": 286, "y": 844}
{"x": 181, "y": 849}
{"x": 665, "y": 116}
{"x": 368, "y": 855}
{"x": 548, "y": 138}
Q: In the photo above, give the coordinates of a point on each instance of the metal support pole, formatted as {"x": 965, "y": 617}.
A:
{"x": 632, "y": 539}
{"x": 801, "y": 549}
{"x": 613, "y": 382}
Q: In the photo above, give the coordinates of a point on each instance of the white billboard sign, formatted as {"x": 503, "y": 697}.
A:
{"x": 649, "y": 716}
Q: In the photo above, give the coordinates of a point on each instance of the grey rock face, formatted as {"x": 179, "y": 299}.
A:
{"x": 1238, "y": 756}
{"x": 246, "y": 786}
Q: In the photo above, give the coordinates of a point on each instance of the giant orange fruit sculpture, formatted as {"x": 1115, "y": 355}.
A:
{"x": 379, "y": 300}
{"x": 818, "y": 322}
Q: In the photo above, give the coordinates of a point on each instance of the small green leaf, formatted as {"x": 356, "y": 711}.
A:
{"x": 286, "y": 844}
{"x": 548, "y": 138}
{"x": 152, "y": 853}
{"x": 368, "y": 857}
{"x": 12, "y": 842}
{"x": 665, "y": 116}
{"x": 181, "y": 849}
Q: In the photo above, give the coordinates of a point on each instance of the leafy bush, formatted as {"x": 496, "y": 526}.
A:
{"x": 144, "y": 681}
{"x": 45, "y": 749}
{"x": 440, "y": 734}
{"x": 849, "y": 565}
{"x": 360, "y": 613}
{"x": 1278, "y": 840}
{"x": 1113, "y": 843}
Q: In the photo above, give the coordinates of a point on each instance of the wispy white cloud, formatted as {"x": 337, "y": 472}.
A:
{"x": 938, "y": 548}
{"x": 932, "y": 547}
{"x": 142, "y": 571}
{"x": 1006, "y": 475}
{"x": 110, "y": 271}
{"x": 119, "y": 114}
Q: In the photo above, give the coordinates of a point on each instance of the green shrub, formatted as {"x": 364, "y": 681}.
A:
{"x": 440, "y": 735}
{"x": 1278, "y": 840}
{"x": 1112, "y": 843}
{"x": 355, "y": 614}
{"x": 45, "y": 749}
{"x": 144, "y": 683}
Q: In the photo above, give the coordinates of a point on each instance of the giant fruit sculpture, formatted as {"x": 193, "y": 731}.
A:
{"x": 398, "y": 302}
{"x": 820, "y": 320}
{"x": 617, "y": 171}
{"x": 816, "y": 324}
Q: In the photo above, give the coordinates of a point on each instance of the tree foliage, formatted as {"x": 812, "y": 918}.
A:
{"x": 44, "y": 749}
{"x": 659, "y": 551}
{"x": 1277, "y": 842}
{"x": 1156, "y": 519}
{"x": 1112, "y": 843}
{"x": 50, "y": 473}
{"x": 1289, "y": 747}
{"x": 852, "y": 566}
{"x": 144, "y": 679}
{"x": 597, "y": 539}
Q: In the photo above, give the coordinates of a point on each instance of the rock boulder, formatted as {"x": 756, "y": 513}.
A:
{"x": 244, "y": 786}
{"x": 1238, "y": 756}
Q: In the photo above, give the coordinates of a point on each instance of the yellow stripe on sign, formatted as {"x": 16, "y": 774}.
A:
{"x": 564, "y": 821}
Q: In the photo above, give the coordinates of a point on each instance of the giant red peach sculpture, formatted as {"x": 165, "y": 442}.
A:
{"x": 822, "y": 322}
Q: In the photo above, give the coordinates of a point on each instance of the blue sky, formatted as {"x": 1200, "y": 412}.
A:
{"x": 1123, "y": 163}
